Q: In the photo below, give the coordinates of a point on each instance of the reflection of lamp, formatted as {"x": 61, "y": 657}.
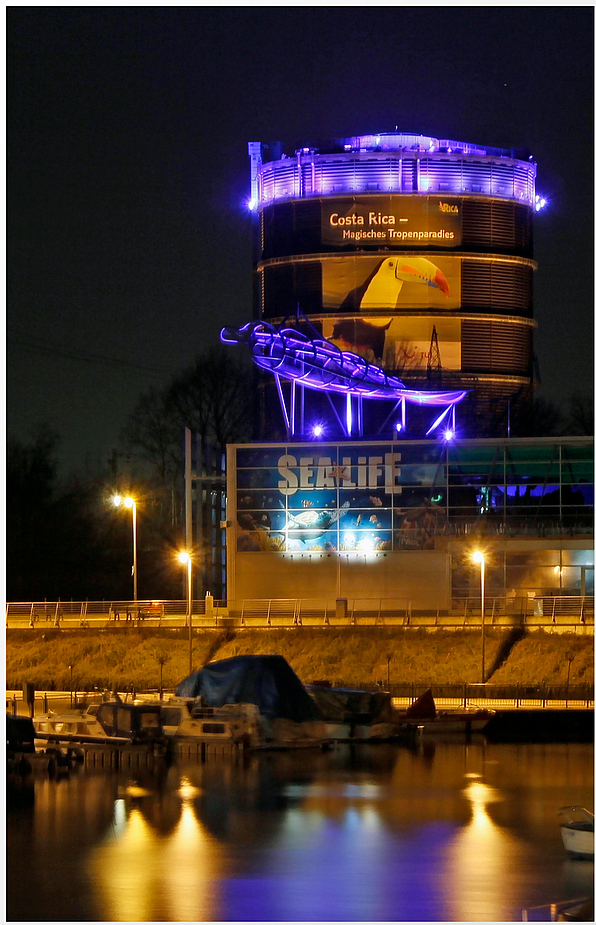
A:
{"x": 478, "y": 557}
{"x": 482, "y": 855}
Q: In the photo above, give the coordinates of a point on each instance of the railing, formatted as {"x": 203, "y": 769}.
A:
{"x": 485, "y": 695}
{"x": 575, "y": 612}
{"x": 85, "y": 613}
{"x": 552, "y": 912}
{"x": 490, "y": 696}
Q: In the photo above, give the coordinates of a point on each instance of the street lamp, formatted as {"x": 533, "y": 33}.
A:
{"x": 478, "y": 557}
{"x": 131, "y": 503}
{"x": 185, "y": 557}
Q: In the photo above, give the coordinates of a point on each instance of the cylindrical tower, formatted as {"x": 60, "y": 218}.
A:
{"x": 414, "y": 252}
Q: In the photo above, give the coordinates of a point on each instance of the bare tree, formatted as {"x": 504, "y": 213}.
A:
{"x": 154, "y": 435}
{"x": 214, "y": 398}
{"x": 580, "y": 419}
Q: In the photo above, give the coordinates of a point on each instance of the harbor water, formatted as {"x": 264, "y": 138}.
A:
{"x": 446, "y": 831}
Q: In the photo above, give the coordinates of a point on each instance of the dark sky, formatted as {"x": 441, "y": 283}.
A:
{"x": 127, "y": 173}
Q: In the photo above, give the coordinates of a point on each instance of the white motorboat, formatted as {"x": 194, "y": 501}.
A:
{"x": 69, "y": 722}
{"x": 577, "y": 831}
{"x": 262, "y": 695}
{"x": 112, "y": 722}
{"x": 189, "y": 718}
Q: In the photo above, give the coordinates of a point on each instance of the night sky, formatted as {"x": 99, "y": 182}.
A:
{"x": 127, "y": 174}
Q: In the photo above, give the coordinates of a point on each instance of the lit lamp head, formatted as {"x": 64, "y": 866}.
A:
{"x": 478, "y": 557}
{"x": 184, "y": 557}
{"x": 117, "y": 500}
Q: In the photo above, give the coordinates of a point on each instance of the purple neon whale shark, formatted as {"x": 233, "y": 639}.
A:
{"x": 316, "y": 363}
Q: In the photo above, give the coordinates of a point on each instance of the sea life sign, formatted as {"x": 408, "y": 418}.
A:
{"x": 315, "y": 497}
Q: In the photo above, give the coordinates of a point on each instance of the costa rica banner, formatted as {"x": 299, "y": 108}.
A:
{"x": 392, "y": 221}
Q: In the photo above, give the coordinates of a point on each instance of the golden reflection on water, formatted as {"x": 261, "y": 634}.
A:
{"x": 482, "y": 859}
{"x": 443, "y": 832}
{"x": 147, "y": 876}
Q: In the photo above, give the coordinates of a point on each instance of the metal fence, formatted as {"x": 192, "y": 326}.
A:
{"x": 495, "y": 696}
{"x": 488, "y": 695}
{"x": 573, "y": 612}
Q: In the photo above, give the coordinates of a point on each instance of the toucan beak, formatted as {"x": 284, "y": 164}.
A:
{"x": 440, "y": 281}
{"x": 421, "y": 270}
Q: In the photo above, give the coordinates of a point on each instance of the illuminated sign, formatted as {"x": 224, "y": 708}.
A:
{"x": 325, "y": 497}
{"x": 387, "y": 220}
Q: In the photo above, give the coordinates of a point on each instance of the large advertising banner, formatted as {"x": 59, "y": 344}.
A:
{"x": 399, "y": 343}
{"x": 392, "y": 220}
{"x": 358, "y": 283}
{"x": 319, "y": 498}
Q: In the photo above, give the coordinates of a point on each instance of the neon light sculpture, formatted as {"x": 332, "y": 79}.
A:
{"x": 315, "y": 363}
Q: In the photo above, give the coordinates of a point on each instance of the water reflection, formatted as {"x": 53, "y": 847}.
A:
{"x": 448, "y": 832}
{"x": 481, "y": 859}
{"x": 159, "y": 862}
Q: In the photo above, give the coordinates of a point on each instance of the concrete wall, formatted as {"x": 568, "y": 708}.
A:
{"x": 422, "y": 576}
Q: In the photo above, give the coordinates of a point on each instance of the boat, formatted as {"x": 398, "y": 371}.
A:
{"x": 577, "y": 831}
{"x": 265, "y": 692}
{"x": 189, "y": 719}
{"x": 462, "y": 719}
{"x": 72, "y": 723}
{"x": 111, "y": 723}
{"x": 353, "y": 715}
{"x": 20, "y": 744}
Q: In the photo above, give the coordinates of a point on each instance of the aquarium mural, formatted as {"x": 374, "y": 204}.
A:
{"x": 318, "y": 498}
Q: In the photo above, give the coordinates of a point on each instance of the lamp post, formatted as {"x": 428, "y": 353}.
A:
{"x": 185, "y": 557}
{"x": 478, "y": 557}
{"x": 131, "y": 503}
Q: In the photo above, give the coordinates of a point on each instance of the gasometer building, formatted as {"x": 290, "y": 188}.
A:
{"x": 392, "y": 332}
{"x": 413, "y": 252}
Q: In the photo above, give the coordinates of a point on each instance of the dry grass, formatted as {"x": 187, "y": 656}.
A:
{"x": 543, "y": 658}
{"x": 348, "y": 656}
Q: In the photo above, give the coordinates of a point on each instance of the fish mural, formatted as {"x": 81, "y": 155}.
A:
{"x": 310, "y": 525}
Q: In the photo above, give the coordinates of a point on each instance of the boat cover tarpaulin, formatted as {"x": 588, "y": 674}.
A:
{"x": 265, "y": 680}
{"x": 341, "y": 705}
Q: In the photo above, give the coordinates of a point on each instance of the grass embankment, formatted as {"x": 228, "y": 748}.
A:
{"x": 346, "y": 656}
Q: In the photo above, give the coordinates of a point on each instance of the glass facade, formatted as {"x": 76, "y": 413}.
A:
{"x": 394, "y": 495}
